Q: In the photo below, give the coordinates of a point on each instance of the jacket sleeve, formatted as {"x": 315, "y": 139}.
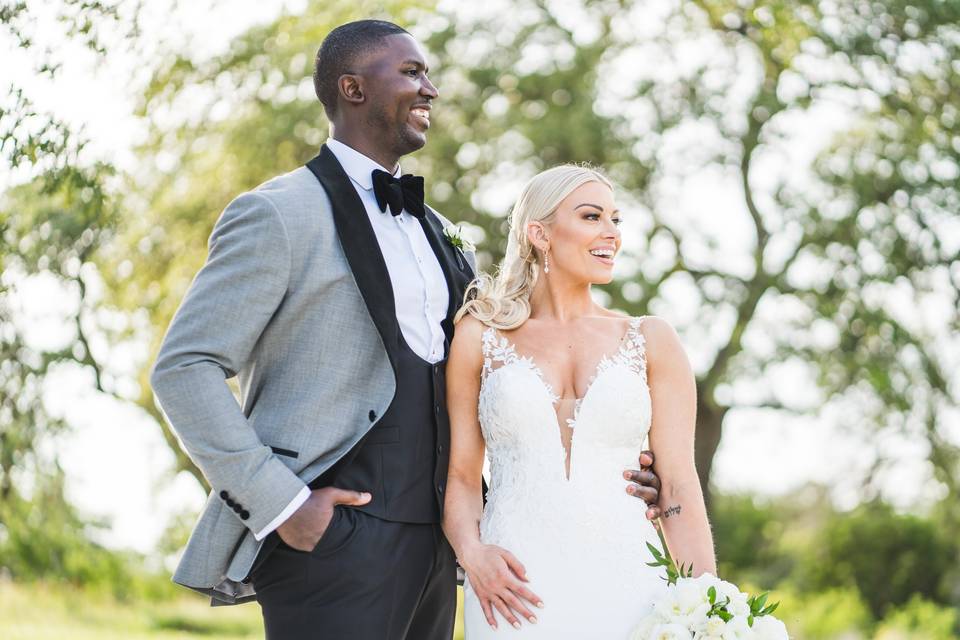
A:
{"x": 211, "y": 337}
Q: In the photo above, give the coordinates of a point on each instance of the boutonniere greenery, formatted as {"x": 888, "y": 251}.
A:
{"x": 454, "y": 235}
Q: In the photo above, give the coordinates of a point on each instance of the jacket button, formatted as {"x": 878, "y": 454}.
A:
{"x": 244, "y": 515}
{"x": 372, "y": 415}
{"x": 231, "y": 503}
{"x": 237, "y": 508}
{"x": 224, "y": 495}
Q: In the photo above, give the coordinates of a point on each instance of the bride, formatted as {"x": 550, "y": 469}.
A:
{"x": 560, "y": 394}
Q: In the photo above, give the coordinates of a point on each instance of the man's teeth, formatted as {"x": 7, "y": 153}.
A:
{"x": 602, "y": 253}
{"x": 423, "y": 113}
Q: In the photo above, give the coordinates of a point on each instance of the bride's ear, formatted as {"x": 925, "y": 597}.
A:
{"x": 537, "y": 235}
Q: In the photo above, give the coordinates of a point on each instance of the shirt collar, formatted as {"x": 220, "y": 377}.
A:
{"x": 359, "y": 167}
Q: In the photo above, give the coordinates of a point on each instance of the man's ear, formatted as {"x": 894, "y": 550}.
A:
{"x": 351, "y": 88}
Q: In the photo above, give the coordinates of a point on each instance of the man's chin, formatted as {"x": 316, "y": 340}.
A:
{"x": 413, "y": 140}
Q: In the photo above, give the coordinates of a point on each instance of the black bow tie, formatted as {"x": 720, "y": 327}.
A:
{"x": 405, "y": 192}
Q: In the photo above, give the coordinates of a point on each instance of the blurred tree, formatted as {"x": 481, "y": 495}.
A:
{"x": 920, "y": 620}
{"x": 889, "y": 558}
{"x": 839, "y": 252}
{"x": 52, "y": 224}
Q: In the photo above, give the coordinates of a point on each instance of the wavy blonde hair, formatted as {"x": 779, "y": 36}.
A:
{"x": 503, "y": 301}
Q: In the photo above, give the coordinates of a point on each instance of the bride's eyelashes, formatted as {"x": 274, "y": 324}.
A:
{"x": 594, "y": 217}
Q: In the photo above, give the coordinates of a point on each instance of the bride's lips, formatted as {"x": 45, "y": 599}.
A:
{"x": 607, "y": 260}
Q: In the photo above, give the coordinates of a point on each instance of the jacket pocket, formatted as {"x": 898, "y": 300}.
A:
{"x": 285, "y": 452}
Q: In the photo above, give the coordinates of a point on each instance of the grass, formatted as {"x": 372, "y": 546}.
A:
{"x": 51, "y": 612}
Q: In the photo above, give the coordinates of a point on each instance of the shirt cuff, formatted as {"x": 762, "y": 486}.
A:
{"x": 291, "y": 508}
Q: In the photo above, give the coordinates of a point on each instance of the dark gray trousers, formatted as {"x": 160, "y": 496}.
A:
{"x": 367, "y": 579}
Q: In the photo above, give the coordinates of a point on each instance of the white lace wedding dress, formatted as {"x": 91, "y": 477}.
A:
{"x": 582, "y": 539}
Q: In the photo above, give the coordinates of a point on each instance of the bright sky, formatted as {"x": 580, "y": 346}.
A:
{"x": 117, "y": 463}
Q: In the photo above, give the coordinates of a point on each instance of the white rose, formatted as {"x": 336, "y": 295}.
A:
{"x": 739, "y": 608}
{"x": 690, "y": 595}
{"x": 769, "y": 628}
{"x": 668, "y": 606}
{"x": 671, "y": 631}
{"x": 728, "y": 590}
{"x": 737, "y": 629}
{"x": 644, "y": 628}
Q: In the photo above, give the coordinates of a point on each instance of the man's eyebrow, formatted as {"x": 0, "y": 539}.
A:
{"x": 417, "y": 63}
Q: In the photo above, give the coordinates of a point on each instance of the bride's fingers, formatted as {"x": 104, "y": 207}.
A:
{"x": 528, "y": 595}
{"x": 505, "y": 611}
{"x": 517, "y": 605}
{"x": 515, "y": 565}
{"x": 488, "y": 612}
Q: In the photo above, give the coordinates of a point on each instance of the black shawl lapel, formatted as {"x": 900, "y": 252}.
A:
{"x": 454, "y": 265}
{"x": 360, "y": 246}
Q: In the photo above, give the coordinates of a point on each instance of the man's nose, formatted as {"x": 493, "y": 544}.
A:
{"x": 427, "y": 88}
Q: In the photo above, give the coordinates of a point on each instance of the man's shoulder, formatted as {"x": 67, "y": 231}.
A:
{"x": 300, "y": 180}
{"x": 291, "y": 194}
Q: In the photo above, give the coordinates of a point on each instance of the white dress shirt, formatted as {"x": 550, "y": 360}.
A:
{"x": 419, "y": 289}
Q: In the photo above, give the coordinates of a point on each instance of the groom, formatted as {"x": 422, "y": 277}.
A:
{"x": 329, "y": 293}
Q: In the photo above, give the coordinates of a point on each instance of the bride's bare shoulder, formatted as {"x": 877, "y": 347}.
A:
{"x": 661, "y": 339}
{"x": 467, "y": 338}
{"x": 468, "y": 327}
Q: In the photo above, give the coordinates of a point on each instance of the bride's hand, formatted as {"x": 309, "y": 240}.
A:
{"x": 497, "y": 578}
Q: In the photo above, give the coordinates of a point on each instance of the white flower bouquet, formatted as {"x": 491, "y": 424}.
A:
{"x": 706, "y": 608}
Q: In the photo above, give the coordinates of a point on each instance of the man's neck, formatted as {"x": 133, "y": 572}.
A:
{"x": 361, "y": 144}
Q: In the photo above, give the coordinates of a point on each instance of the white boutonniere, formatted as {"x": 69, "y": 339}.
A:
{"x": 454, "y": 235}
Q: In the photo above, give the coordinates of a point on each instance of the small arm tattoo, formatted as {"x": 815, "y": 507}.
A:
{"x": 671, "y": 511}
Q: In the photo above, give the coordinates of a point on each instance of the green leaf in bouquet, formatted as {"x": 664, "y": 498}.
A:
{"x": 712, "y": 594}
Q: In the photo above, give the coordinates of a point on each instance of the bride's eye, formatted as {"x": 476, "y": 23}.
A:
{"x": 617, "y": 221}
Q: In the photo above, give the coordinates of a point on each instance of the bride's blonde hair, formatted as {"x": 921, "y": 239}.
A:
{"x": 503, "y": 301}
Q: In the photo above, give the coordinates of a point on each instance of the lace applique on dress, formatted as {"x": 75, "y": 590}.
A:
{"x": 498, "y": 350}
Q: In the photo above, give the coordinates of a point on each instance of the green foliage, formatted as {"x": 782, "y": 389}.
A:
{"x": 888, "y": 558}
{"x": 826, "y": 615}
{"x": 750, "y": 538}
{"x": 43, "y": 537}
{"x": 920, "y": 619}
{"x": 665, "y": 560}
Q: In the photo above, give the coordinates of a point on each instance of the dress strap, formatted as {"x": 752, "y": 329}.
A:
{"x": 496, "y": 350}
{"x": 634, "y": 349}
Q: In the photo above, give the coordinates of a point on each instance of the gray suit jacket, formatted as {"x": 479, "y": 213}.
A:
{"x": 294, "y": 299}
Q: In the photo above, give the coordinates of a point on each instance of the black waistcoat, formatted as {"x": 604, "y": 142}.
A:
{"x": 402, "y": 461}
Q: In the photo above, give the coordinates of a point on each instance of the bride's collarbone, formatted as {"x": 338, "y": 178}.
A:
{"x": 568, "y": 354}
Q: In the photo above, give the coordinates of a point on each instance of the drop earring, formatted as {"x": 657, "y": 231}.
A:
{"x": 546, "y": 261}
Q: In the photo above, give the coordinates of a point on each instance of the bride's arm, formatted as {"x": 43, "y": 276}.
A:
{"x": 673, "y": 394}
{"x": 464, "y": 502}
{"x": 495, "y": 575}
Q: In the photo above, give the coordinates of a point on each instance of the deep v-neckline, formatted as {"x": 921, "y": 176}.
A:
{"x": 605, "y": 361}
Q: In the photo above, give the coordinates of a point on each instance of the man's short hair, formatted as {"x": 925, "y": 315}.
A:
{"x": 339, "y": 52}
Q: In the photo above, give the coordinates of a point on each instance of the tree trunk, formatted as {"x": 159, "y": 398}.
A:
{"x": 709, "y": 430}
